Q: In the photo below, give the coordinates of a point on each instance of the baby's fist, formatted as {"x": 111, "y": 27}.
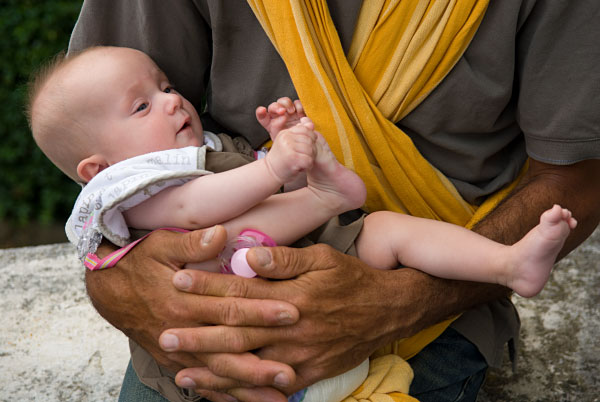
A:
{"x": 293, "y": 151}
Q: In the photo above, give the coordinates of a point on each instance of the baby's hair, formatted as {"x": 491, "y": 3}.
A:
{"x": 53, "y": 131}
{"x": 38, "y": 80}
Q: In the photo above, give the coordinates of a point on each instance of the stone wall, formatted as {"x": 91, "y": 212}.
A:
{"x": 560, "y": 336}
{"x": 53, "y": 346}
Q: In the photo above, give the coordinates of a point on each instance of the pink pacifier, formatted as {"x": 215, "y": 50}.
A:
{"x": 233, "y": 257}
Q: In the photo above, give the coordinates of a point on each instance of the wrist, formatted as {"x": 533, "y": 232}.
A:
{"x": 422, "y": 300}
{"x": 271, "y": 170}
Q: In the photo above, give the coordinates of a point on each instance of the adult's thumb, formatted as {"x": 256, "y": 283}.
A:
{"x": 194, "y": 246}
{"x": 287, "y": 262}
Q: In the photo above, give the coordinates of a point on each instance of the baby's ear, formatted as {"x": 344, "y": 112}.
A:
{"x": 90, "y": 167}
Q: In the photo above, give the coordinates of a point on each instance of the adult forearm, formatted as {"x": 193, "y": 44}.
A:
{"x": 575, "y": 187}
{"x": 100, "y": 285}
{"x": 428, "y": 300}
{"x": 104, "y": 287}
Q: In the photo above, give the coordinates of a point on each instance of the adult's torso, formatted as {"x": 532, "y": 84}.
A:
{"x": 505, "y": 94}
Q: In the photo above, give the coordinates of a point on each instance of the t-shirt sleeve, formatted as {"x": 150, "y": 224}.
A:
{"x": 172, "y": 33}
{"x": 559, "y": 81}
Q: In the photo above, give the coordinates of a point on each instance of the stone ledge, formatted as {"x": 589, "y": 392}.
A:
{"x": 54, "y": 347}
{"x": 560, "y": 343}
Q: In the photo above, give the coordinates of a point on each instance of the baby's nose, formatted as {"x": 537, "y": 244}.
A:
{"x": 173, "y": 102}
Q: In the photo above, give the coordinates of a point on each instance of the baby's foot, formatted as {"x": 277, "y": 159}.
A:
{"x": 535, "y": 254}
{"x": 340, "y": 188}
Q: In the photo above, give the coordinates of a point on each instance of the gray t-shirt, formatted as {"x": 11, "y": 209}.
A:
{"x": 528, "y": 84}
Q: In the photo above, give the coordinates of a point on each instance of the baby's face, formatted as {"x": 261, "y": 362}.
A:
{"x": 135, "y": 110}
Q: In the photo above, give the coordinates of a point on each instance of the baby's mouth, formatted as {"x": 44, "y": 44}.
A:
{"x": 186, "y": 124}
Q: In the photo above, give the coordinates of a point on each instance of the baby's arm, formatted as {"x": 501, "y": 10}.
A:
{"x": 217, "y": 198}
{"x": 279, "y": 115}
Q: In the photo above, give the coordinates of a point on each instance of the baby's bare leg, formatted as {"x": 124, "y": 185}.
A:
{"x": 390, "y": 239}
{"x": 286, "y": 217}
{"x": 449, "y": 251}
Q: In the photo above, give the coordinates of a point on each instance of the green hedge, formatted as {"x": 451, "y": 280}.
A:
{"x": 32, "y": 189}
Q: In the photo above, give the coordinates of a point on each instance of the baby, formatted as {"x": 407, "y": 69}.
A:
{"x": 108, "y": 117}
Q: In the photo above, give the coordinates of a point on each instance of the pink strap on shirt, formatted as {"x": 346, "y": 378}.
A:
{"x": 95, "y": 263}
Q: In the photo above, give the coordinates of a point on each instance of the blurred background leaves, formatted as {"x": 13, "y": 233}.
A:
{"x": 33, "y": 191}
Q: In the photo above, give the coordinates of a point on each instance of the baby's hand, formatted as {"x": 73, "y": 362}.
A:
{"x": 293, "y": 151}
{"x": 280, "y": 115}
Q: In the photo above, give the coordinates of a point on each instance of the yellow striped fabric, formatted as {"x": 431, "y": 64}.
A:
{"x": 400, "y": 52}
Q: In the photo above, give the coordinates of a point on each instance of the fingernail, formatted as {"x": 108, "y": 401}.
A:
{"x": 169, "y": 342}
{"x": 263, "y": 256}
{"x": 186, "y": 382}
{"x": 229, "y": 398}
{"x": 285, "y": 317}
{"x": 281, "y": 380}
{"x": 208, "y": 235}
{"x": 182, "y": 281}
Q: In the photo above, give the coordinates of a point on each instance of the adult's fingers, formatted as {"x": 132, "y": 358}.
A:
{"x": 180, "y": 248}
{"x": 217, "y": 338}
{"x": 251, "y": 369}
{"x": 225, "y": 371}
{"x": 257, "y": 394}
{"x": 267, "y": 262}
{"x": 229, "y": 304}
{"x": 174, "y": 249}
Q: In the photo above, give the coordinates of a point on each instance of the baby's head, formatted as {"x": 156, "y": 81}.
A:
{"x": 103, "y": 105}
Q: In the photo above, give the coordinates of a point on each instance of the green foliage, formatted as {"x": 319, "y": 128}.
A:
{"x": 31, "y": 188}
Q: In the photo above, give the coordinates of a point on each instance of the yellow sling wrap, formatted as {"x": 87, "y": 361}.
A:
{"x": 401, "y": 50}
{"x": 419, "y": 40}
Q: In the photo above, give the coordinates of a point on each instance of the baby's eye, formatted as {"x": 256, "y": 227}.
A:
{"x": 169, "y": 90}
{"x": 141, "y": 107}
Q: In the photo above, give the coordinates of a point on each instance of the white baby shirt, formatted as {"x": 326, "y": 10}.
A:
{"x": 99, "y": 208}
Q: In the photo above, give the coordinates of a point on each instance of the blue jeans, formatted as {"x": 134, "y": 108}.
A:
{"x": 448, "y": 369}
{"x": 132, "y": 389}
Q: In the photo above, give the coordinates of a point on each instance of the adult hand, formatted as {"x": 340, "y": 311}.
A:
{"x": 347, "y": 310}
{"x": 136, "y": 297}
